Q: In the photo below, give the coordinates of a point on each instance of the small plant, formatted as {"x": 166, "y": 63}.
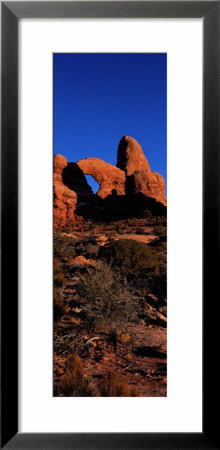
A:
{"x": 160, "y": 230}
{"x": 131, "y": 256}
{"x": 109, "y": 299}
{"x": 64, "y": 246}
{"x": 119, "y": 229}
{"x": 73, "y": 383}
{"x": 112, "y": 385}
{"x": 112, "y": 234}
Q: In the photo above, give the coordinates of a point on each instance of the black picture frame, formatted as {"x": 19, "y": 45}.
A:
{"x": 11, "y": 12}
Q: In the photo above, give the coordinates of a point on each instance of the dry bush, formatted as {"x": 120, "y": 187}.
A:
{"x": 64, "y": 246}
{"x": 112, "y": 385}
{"x": 109, "y": 299}
{"x": 73, "y": 383}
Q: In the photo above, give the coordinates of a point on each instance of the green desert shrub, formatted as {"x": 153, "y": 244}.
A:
{"x": 109, "y": 299}
{"x": 129, "y": 255}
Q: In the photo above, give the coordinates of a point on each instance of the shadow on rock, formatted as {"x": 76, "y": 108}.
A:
{"x": 113, "y": 207}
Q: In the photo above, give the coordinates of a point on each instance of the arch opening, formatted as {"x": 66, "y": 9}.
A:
{"x": 92, "y": 183}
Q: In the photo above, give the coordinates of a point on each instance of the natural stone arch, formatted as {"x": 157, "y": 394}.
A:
{"x": 92, "y": 183}
{"x": 110, "y": 178}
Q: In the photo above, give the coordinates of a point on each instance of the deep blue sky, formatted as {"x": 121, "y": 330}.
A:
{"x": 98, "y": 98}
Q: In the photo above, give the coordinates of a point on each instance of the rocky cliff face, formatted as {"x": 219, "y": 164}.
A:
{"x": 130, "y": 157}
{"x": 139, "y": 178}
{"x": 73, "y": 197}
{"x": 119, "y": 185}
{"x": 65, "y": 199}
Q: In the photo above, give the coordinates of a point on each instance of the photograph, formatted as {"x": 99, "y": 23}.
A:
{"x": 116, "y": 106}
{"x": 110, "y": 225}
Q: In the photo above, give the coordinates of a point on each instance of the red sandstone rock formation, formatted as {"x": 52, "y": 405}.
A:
{"x": 110, "y": 178}
{"x": 130, "y": 157}
{"x": 65, "y": 200}
{"x": 70, "y": 190}
{"x": 151, "y": 184}
{"x": 139, "y": 177}
{"x": 74, "y": 198}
